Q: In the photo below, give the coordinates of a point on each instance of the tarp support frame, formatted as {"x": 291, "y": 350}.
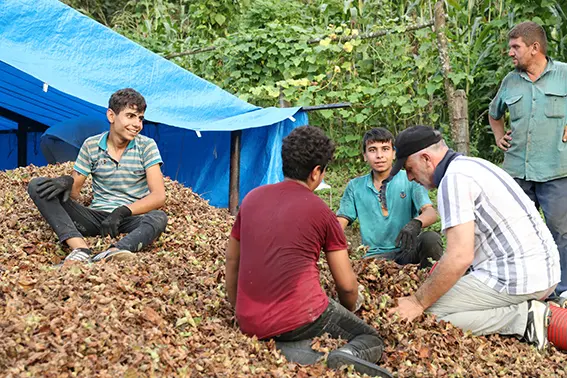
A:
{"x": 25, "y": 124}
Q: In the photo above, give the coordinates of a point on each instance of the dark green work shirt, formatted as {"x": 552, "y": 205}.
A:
{"x": 538, "y": 116}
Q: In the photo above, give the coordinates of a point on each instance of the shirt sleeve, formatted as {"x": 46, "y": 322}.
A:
{"x": 83, "y": 164}
{"x": 335, "y": 239}
{"x": 235, "y": 233}
{"x": 420, "y": 197}
{"x": 498, "y": 105}
{"x": 456, "y": 199}
{"x": 151, "y": 155}
{"x": 347, "y": 208}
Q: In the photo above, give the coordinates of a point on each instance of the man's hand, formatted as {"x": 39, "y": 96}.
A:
{"x": 407, "y": 238}
{"x": 565, "y": 134}
{"x": 110, "y": 225}
{"x": 504, "y": 142}
{"x": 408, "y": 308}
{"x": 53, "y": 187}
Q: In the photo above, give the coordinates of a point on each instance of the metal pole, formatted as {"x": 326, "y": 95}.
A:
{"x": 234, "y": 178}
{"x": 22, "y": 144}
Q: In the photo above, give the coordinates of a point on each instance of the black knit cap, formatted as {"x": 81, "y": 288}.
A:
{"x": 410, "y": 141}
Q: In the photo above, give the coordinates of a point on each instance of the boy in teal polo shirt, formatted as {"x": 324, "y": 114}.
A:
{"x": 127, "y": 185}
{"x": 391, "y": 213}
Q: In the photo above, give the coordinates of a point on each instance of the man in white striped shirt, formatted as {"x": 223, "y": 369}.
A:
{"x": 494, "y": 231}
{"x": 128, "y": 187}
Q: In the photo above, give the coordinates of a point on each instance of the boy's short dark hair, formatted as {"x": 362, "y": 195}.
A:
{"x": 377, "y": 134}
{"x": 303, "y": 149}
{"x": 125, "y": 98}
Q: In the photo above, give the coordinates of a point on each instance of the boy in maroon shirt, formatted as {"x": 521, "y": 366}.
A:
{"x": 272, "y": 277}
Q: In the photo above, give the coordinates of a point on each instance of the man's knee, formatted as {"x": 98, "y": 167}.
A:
{"x": 432, "y": 243}
{"x": 158, "y": 219}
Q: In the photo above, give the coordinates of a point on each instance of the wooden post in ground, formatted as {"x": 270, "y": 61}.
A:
{"x": 234, "y": 176}
{"x": 456, "y": 100}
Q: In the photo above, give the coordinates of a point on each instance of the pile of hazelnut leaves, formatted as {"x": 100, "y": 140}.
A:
{"x": 166, "y": 313}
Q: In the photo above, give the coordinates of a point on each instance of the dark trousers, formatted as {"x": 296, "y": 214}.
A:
{"x": 429, "y": 248}
{"x": 336, "y": 320}
{"x": 71, "y": 219}
{"x": 550, "y": 197}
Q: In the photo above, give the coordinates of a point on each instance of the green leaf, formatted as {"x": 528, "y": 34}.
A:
{"x": 220, "y": 19}
{"x": 421, "y": 102}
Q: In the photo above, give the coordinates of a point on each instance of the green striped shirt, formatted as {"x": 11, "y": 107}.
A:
{"x": 117, "y": 183}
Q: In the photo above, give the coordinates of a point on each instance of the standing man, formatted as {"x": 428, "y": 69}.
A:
{"x": 493, "y": 228}
{"x": 535, "y": 147}
{"x": 127, "y": 185}
{"x": 391, "y": 213}
{"x": 272, "y": 277}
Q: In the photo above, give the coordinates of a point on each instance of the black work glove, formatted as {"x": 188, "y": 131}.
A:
{"x": 110, "y": 225}
{"x": 53, "y": 187}
{"x": 407, "y": 238}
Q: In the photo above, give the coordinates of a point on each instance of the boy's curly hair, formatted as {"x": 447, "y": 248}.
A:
{"x": 303, "y": 149}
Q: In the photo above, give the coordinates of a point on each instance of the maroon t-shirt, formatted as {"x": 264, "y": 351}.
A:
{"x": 282, "y": 229}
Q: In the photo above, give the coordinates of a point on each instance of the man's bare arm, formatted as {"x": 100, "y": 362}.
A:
{"x": 344, "y": 277}
{"x": 451, "y": 267}
{"x": 428, "y": 216}
{"x": 454, "y": 263}
{"x": 78, "y": 182}
{"x": 343, "y": 222}
{"x": 156, "y": 198}
{"x": 231, "y": 269}
{"x": 501, "y": 136}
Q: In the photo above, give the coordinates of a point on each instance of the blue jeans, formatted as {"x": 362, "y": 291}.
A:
{"x": 336, "y": 320}
{"x": 71, "y": 219}
{"x": 550, "y": 196}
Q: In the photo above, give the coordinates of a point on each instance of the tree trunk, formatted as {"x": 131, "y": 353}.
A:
{"x": 456, "y": 100}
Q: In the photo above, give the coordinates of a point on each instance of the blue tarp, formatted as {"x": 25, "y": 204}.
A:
{"x": 56, "y": 65}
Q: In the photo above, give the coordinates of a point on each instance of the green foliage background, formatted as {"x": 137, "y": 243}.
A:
{"x": 262, "y": 52}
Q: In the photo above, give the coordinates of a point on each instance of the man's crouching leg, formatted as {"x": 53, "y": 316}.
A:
{"x": 363, "y": 350}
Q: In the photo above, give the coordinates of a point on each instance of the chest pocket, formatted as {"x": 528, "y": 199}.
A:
{"x": 555, "y": 103}
{"x": 515, "y": 107}
{"x": 104, "y": 167}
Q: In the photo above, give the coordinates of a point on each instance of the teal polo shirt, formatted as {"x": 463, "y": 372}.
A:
{"x": 404, "y": 200}
{"x": 538, "y": 116}
{"x": 117, "y": 183}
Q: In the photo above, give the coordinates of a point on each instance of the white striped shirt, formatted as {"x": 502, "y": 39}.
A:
{"x": 513, "y": 248}
{"x": 117, "y": 183}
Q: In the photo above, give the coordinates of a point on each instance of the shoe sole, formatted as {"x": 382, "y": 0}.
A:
{"x": 546, "y": 321}
{"x": 337, "y": 359}
{"x": 120, "y": 256}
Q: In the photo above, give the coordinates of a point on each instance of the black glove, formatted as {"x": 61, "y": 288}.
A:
{"x": 110, "y": 225}
{"x": 54, "y": 187}
{"x": 407, "y": 238}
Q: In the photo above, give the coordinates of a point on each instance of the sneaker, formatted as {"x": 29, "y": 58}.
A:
{"x": 539, "y": 316}
{"x": 79, "y": 254}
{"x": 338, "y": 358}
{"x": 114, "y": 255}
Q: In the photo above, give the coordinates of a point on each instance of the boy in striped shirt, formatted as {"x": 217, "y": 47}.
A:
{"x": 128, "y": 187}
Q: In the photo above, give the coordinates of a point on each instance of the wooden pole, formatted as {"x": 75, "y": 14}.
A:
{"x": 456, "y": 101}
{"x": 234, "y": 178}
